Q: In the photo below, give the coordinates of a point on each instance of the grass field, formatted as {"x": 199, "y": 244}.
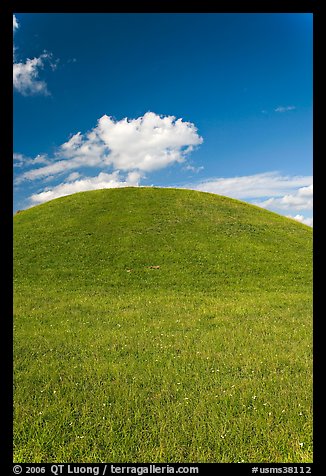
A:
{"x": 207, "y": 358}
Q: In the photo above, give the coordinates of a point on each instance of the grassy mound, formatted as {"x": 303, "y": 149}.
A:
{"x": 161, "y": 325}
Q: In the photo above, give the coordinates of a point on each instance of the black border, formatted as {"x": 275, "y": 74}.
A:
{"x": 159, "y": 6}
{"x": 6, "y": 189}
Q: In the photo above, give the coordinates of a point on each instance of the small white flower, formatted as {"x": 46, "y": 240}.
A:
{"x": 301, "y": 444}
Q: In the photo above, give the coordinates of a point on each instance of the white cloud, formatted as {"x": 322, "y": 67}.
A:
{"x": 26, "y": 76}
{"x": 193, "y": 169}
{"x": 269, "y": 190}
{"x": 15, "y": 24}
{"x": 307, "y": 221}
{"x": 253, "y": 186}
{"x": 26, "y": 73}
{"x": 130, "y": 146}
{"x": 145, "y": 144}
{"x": 148, "y": 143}
{"x": 284, "y": 108}
{"x": 59, "y": 167}
{"x": 73, "y": 176}
{"x": 301, "y": 199}
{"x": 103, "y": 180}
{"x": 21, "y": 160}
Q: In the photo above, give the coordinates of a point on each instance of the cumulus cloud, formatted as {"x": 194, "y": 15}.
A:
{"x": 193, "y": 169}
{"x": 73, "y": 176}
{"x": 284, "y": 108}
{"x": 269, "y": 190}
{"x": 103, "y": 180}
{"x": 306, "y": 220}
{"x": 301, "y": 199}
{"x": 26, "y": 76}
{"x": 59, "y": 167}
{"x": 150, "y": 142}
{"x": 15, "y": 24}
{"x": 253, "y": 186}
{"x": 26, "y": 73}
{"x": 21, "y": 160}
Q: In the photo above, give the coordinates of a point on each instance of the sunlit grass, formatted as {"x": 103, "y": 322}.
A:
{"x": 207, "y": 358}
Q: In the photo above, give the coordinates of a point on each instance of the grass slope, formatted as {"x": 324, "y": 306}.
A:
{"x": 206, "y": 359}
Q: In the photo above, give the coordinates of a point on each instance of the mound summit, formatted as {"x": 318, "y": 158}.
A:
{"x": 197, "y": 239}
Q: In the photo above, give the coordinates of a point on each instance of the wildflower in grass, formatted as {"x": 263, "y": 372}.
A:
{"x": 301, "y": 444}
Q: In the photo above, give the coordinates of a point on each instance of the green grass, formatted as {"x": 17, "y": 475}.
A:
{"x": 206, "y": 359}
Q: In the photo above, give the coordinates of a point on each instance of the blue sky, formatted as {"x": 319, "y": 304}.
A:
{"x": 213, "y": 102}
